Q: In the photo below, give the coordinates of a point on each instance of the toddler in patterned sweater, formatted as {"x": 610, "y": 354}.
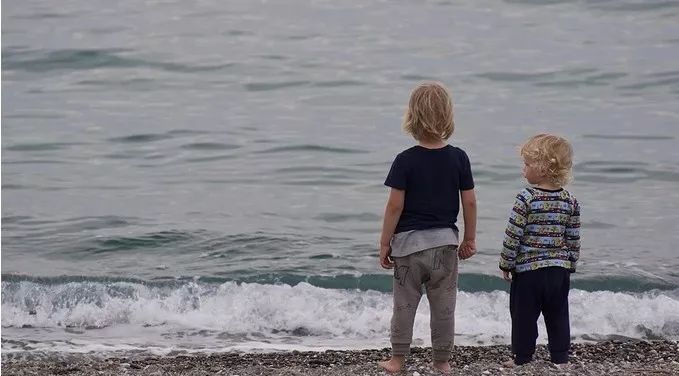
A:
{"x": 541, "y": 249}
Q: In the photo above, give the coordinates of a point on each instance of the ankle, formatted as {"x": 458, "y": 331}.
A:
{"x": 398, "y": 359}
{"x": 393, "y": 365}
{"x": 443, "y": 366}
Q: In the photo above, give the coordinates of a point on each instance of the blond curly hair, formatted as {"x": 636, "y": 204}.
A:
{"x": 551, "y": 155}
{"x": 429, "y": 116}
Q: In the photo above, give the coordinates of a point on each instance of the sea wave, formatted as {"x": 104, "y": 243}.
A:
{"x": 234, "y": 315}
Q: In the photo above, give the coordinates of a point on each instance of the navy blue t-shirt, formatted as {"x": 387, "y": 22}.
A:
{"x": 432, "y": 180}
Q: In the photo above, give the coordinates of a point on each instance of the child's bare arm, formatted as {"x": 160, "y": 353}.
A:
{"x": 392, "y": 213}
{"x": 468, "y": 245}
{"x": 469, "y": 214}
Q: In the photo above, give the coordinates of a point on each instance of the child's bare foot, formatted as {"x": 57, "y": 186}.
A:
{"x": 444, "y": 367}
{"x": 509, "y": 364}
{"x": 392, "y": 365}
{"x": 563, "y": 366}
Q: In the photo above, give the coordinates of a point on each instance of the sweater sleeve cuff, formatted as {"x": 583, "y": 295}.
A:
{"x": 506, "y": 267}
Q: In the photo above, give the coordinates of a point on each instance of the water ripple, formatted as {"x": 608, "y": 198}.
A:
{"x": 617, "y": 5}
{"x": 337, "y": 218}
{"x": 312, "y": 148}
{"x": 564, "y": 78}
{"x": 141, "y": 138}
{"x": 620, "y": 171}
{"x": 638, "y": 137}
{"x": 267, "y": 86}
{"x": 213, "y": 158}
{"x": 338, "y": 83}
{"x": 651, "y": 84}
{"x": 45, "y": 146}
{"x": 210, "y": 146}
{"x": 86, "y": 59}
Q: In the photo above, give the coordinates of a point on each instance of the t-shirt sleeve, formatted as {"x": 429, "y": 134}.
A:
{"x": 397, "y": 174}
{"x": 466, "y": 178}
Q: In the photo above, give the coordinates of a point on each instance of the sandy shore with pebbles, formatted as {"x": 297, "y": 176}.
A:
{"x": 606, "y": 358}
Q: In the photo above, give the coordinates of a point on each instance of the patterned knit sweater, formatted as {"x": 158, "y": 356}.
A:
{"x": 543, "y": 231}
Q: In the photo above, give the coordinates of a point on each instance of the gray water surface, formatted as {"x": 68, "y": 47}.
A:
{"x": 164, "y": 139}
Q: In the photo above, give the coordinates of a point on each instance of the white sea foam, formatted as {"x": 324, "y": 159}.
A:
{"x": 84, "y": 316}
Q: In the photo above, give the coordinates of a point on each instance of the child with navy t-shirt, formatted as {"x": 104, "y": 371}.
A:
{"x": 420, "y": 238}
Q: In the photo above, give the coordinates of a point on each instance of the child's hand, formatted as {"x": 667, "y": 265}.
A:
{"x": 385, "y": 257}
{"x": 507, "y": 276}
{"x": 467, "y": 249}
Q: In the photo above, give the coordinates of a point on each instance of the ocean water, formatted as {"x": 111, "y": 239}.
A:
{"x": 208, "y": 176}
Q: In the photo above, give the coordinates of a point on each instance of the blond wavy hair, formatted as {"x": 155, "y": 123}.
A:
{"x": 429, "y": 116}
{"x": 551, "y": 155}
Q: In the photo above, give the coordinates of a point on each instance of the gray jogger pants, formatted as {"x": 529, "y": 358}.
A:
{"x": 436, "y": 269}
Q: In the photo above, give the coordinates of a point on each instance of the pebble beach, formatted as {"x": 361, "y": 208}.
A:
{"x": 604, "y": 358}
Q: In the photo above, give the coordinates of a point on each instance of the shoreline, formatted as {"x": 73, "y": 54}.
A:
{"x": 604, "y": 358}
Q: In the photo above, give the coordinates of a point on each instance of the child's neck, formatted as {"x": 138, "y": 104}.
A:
{"x": 547, "y": 186}
{"x": 432, "y": 144}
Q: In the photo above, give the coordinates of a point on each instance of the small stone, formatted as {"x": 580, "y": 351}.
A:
{"x": 416, "y": 373}
{"x": 486, "y": 372}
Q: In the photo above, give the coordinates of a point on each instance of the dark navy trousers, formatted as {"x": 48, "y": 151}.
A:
{"x": 545, "y": 291}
